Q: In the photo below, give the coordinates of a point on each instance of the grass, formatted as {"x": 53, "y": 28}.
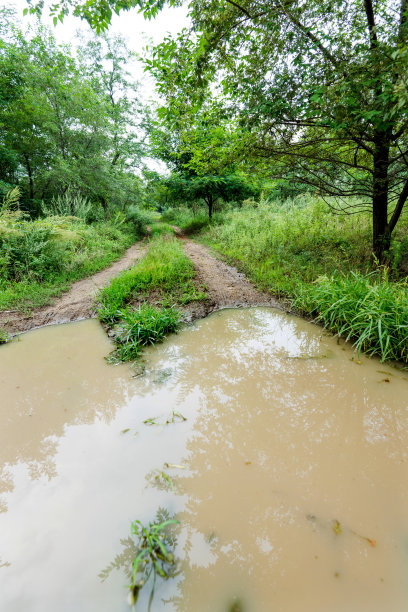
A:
{"x": 165, "y": 272}
{"x": 365, "y": 308}
{"x": 141, "y": 327}
{"x": 40, "y": 259}
{"x": 4, "y": 336}
{"x": 294, "y": 249}
{"x": 191, "y": 223}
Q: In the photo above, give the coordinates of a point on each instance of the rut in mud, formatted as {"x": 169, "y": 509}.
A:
{"x": 74, "y": 305}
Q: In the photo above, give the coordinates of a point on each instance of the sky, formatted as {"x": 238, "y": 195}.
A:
{"x": 130, "y": 24}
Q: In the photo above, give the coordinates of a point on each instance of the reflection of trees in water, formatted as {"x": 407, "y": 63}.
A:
{"x": 33, "y": 440}
{"x": 255, "y": 396}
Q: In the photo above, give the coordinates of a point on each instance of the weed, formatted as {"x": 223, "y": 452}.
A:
{"x": 138, "y": 218}
{"x": 166, "y": 270}
{"x": 161, "y": 229}
{"x": 294, "y": 249}
{"x": 70, "y": 203}
{"x": 39, "y": 259}
{"x": 4, "y": 336}
{"x": 155, "y": 556}
{"x": 176, "y": 417}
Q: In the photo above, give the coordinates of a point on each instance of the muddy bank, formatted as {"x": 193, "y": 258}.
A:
{"x": 74, "y": 305}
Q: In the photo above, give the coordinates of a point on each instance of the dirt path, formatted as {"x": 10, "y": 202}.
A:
{"x": 227, "y": 288}
{"x": 74, "y": 305}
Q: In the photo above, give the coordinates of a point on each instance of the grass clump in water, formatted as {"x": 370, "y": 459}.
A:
{"x": 141, "y": 327}
{"x": 365, "y": 308}
{"x": 155, "y": 556}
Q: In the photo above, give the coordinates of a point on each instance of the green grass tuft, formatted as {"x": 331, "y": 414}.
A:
{"x": 141, "y": 327}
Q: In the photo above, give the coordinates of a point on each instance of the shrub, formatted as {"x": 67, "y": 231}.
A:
{"x": 70, "y": 203}
{"x": 138, "y": 219}
{"x": 31, "y": 253}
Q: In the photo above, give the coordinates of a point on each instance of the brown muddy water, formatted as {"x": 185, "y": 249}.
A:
{"x": 291, "y": 477}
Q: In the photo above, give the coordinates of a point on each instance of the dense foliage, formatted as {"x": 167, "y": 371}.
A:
{"x": 325, "y": 105}
{"x": 66, "y": 122}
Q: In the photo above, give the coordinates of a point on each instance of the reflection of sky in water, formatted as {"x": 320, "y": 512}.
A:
{"x": 281, "y": 425}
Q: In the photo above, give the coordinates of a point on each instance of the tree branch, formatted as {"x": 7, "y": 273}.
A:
{"x": 309, "y": 35}
{"x": 398, "y": 209}
{"x": 241, "y": 8}
{"x": 371, "y": 23}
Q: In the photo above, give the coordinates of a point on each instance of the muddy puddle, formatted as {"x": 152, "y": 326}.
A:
{"x": 283, "y": 456}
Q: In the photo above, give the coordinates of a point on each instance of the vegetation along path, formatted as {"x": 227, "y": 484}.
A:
{"x": 76, "y": 304}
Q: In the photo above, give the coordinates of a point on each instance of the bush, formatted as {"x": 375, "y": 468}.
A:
{"x": 68, "y": 204}
{"x": 42, "y": 257}
{"x": 31, "y": 253}
{"x": 138, "y": 219}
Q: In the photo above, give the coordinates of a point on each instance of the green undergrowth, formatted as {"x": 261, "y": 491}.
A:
{"x": 40, "y": 259}
{"x": 142, "y": 326}
{"x": 4, "y": 336}
{"x": 166, "y": 276}
{"x": 161, "y": 229}
{"x": 296, "y": 250}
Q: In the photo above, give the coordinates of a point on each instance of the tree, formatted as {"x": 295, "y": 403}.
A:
{"x": 67, "y": 121}
{"x": 209, "y": 188}
{"x": 322, "y": 103}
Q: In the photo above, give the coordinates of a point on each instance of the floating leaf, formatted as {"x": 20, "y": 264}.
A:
{"x": 336, "y": 527}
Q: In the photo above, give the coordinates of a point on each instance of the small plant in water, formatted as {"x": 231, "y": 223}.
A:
{"x": 155, "y": 556}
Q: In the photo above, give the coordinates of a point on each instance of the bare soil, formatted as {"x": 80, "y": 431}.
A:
{"x": 226, "y": 287}
{"x": 75, "y": 304}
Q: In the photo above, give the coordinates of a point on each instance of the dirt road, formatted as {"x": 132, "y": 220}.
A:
{"x": 226, "y": 287}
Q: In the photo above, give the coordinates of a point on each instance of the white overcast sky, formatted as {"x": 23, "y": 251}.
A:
{"x": 130, "y": 24}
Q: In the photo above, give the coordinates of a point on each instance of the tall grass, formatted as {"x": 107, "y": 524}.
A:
{"x": 192, "y": 222}
{"x": 39, "y": 259}
{"x": 367, "y": 309}
{"x": 283, "y": 244}
{"x": 296, "y": 248}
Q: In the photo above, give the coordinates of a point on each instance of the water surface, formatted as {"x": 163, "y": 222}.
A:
{"x": 291, "y": 482}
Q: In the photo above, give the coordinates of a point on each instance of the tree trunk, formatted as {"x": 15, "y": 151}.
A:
{"x": 381, "y": 229}
{"x": 30, "y": 176}
{"x": 210, "y": 205}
